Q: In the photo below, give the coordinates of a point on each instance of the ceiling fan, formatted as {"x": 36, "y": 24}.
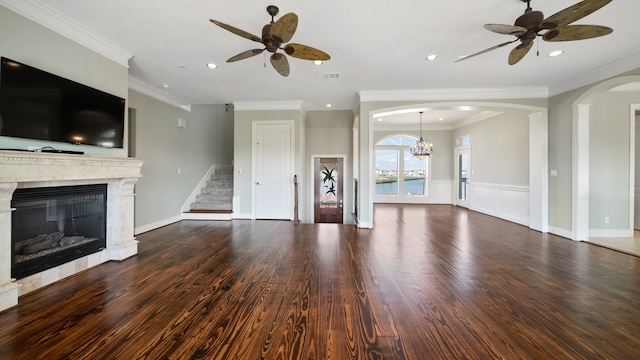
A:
{"x": 274, "y": 35}
{"x": 554, "y": 28}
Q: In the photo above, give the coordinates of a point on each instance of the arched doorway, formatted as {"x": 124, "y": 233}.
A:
{"x": 581, "y": 157}
{"x": 538, "y": 210}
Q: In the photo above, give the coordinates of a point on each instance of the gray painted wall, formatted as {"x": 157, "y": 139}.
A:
{"x": 499, "y": 149}
{"x": 609, "y": 157}
{"x": 329, "y": 133}
{"x": 561, "y": 156}
{"x": 167, "y": 148}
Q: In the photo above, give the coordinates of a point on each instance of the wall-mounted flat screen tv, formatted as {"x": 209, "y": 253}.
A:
{"x": 35, "y": 104}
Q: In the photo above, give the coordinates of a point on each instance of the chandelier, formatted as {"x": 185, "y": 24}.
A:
{"x": 421, "y": 149}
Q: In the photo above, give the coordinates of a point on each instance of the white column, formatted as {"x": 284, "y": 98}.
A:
{"x": 121, "y": 242}
{"x": 581, "y": 172}
{"x": 8, "y": 286}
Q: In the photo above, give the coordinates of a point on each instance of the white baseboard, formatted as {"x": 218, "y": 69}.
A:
{"x": 157, "y": 224}
{"x": 561, "y": 232}
{"x": 609, "y": 233}
{"x": 243, "y": 216}
{"x": 206, "y": 216}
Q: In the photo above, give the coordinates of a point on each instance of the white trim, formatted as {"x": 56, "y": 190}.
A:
{"x": 508, "y": 202}
{"x": 454, "y": 94}
{"x": 58, "y": 22}
{"x": 207, "y": 216}
{"x": 345, "y": 188}
{"x": 580, "y": 192}
{"x": 560, "y": 232}
{"x": 457, "y": 151}
{"x": 237, "y": 216}
{"x": 158, "y": 224}
{"x": 632, "y": 164}
{"x": 610, "y": 233}
{"x": 196, "y": 190}
{"x": 580, "y": 159}
{"x": 615, "y": 68}
{"x": 151, "y": 91}
{"x": 267, "y": 105}
{"x": 538, "y": 172}
{"x": 186, "y": 206}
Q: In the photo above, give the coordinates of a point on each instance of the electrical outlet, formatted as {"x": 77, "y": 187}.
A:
{"x": 606, "y": 219}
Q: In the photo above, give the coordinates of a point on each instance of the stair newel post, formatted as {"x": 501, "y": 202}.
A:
{"x": 295, "y": 199}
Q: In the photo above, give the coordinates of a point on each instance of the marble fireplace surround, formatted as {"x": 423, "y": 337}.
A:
{"x": 29, "y": 170}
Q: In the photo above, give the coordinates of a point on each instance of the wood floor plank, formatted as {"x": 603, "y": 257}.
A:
{"x": 428, "y": 282}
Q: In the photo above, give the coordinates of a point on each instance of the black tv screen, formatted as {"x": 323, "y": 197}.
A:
{"x": 35, "y": 104}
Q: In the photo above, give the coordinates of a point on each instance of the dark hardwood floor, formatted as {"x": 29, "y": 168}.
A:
{"x": 429, "y": 282}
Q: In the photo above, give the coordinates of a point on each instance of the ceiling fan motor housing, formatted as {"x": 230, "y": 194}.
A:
{"x": 269, "y": 42}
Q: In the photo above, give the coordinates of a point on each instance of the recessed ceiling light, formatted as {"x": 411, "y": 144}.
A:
{"x": 212, "y": 66}
{"x": 380, "y": 120}
{"x": 328, "y": 105}
{"x": 182, "y": 66}
{"x": 441, "y": 119}
{"x": 166, "y": 86}
{"x": 432, "y": 57}
{"x": 317, "y": 62}
{"x": 556, "y": 53}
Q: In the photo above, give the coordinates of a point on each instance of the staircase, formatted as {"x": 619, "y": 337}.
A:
{"x": 216, "y": 197}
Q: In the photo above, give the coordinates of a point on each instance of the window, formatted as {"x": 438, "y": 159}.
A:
{"x": 398, "y": 173}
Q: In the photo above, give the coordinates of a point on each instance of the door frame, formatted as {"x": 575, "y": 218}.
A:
{"x": 456, "y": 155}
{"x": 345, "y": 189}
{"x": 254, "y": 124}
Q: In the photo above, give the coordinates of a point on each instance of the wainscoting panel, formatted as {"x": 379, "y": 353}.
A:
{"x": 506, "y": 202}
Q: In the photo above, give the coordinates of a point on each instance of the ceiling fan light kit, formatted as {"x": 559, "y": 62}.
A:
{"x": 276, "y": 36}
{"x": 556, "y": 27}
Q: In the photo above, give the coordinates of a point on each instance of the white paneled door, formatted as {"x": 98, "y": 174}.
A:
{"x": 273, "y": 178}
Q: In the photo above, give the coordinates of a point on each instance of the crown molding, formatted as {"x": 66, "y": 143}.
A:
{"x": 267, "y": 105}
{"x": 151, "y": 91}
{"x": 604, "y": 72}
{"x": 454, "y": 94}
{"x": 56, "y": 21}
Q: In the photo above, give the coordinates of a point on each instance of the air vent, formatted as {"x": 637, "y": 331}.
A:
{"x": 328, "y": 76}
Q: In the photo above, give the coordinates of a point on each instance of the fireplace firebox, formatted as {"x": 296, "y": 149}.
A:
{"x": 51, "y": 226}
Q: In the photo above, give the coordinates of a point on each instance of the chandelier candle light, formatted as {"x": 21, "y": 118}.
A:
{"x": 421, "y": 149}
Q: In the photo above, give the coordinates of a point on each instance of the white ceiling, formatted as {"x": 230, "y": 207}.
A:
{"x": 377, "y": 47}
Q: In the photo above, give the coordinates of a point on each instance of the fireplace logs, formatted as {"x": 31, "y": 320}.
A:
{"x": 46, "y": 243}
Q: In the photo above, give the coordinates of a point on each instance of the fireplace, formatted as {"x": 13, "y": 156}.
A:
{"x": 54, "y": 225}
{"x": 96, "y": 237}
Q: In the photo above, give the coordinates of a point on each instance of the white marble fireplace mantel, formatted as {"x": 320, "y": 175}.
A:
{"x": 29, "y": 170}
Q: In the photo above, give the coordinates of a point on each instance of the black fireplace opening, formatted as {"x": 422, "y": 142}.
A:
{"x": 51, "y": 226}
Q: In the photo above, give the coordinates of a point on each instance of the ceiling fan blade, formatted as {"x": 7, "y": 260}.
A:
{"x": 283, "y": 29}
{"x": 576, "y": 32}
{"x": 305, "y": 52}
{"x": 237, "y": 31}
{"x": 280, "y": 63}
{"x": 506, "y": 29}
{"x": 487, "y": 50}
{"x": 245, "y": 54}
{"x": 519, "y": 52}
{"x": 573, "y": 13}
